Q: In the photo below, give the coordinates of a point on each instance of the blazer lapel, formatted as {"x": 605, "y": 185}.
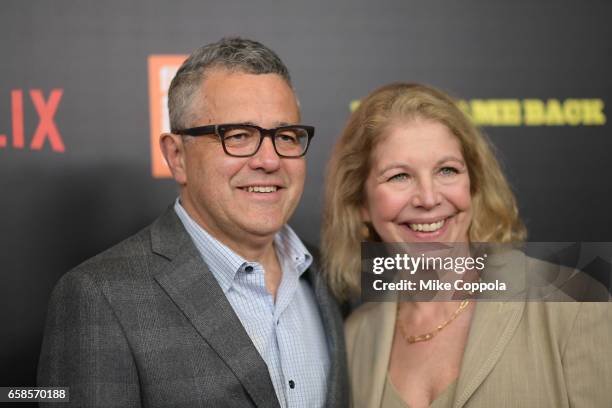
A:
{"x": 371, "y": 353}
{"x": 381, "y": 350}
{"x": 337, "y": 382}
{"x": 192, "y": 287}
{"x": 493, "y": 325}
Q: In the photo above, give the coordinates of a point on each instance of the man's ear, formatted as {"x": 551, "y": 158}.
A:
{"x": 173, "y": 149}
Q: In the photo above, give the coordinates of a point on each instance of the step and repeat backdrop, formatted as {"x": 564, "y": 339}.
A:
{"x": 83, "y": 92}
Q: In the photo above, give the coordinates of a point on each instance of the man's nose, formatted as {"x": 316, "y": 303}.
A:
{"x": 427, "y": 194}
{"x": 266, "y": 157}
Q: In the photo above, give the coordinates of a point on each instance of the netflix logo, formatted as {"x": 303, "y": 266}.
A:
{"x": 46, "y": 133}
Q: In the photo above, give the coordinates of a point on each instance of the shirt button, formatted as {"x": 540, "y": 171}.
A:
{"x": 248, "y": 269}
{"x": 291, "y": 384}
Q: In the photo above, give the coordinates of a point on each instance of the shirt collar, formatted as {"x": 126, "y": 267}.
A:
{"x": 225, "y": 263}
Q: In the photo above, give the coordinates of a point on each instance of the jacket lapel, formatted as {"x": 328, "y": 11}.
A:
{"x": 385, "y": 326}
{"x": 337, "y": 382}
{"x": 492, "y": 327}
{"x": 370, "y": 355}
{"x": 195, "y": 291}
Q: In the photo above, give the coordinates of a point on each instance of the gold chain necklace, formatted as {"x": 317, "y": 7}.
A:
{"x": 428, "y": 336}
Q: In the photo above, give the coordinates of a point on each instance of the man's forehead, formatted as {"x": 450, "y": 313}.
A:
{"x": 239, "y": 97}
{"x": 226, "y": 78}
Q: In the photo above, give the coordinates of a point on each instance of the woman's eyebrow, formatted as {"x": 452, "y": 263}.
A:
{"x": 450, "y": 158}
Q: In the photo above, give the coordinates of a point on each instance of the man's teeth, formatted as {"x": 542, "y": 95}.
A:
{"x": 427, "y": 227}
{"x": 261, "y": 189}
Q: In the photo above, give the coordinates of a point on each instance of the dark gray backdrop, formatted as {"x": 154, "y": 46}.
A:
{"x": 58, "y": 209}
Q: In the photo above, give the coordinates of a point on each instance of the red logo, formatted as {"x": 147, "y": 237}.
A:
{"x": 46, "y": 131}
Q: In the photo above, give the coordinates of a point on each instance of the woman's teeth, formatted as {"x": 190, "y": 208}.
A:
{"x": 427, "y": 227}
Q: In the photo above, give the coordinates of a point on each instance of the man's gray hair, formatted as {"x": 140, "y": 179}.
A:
{"x": 233, "y": 54}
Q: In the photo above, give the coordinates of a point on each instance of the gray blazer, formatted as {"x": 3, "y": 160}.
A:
{"x": 145, "y": 323}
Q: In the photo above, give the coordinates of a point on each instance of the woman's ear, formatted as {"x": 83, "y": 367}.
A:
{"x": 365, "y": 213}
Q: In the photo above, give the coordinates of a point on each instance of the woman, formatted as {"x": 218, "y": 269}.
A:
{"x": 411, "y": 167}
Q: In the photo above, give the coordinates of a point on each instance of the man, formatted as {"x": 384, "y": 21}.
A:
{"x": 217, "y": 303}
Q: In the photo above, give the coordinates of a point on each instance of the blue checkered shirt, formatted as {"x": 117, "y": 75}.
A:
{"x": 288, "y": 333}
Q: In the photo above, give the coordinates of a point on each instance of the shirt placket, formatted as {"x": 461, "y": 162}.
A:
{"x": 284, "y": 313}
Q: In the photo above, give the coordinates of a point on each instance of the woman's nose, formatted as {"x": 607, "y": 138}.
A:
{"x": 427, "y": 195}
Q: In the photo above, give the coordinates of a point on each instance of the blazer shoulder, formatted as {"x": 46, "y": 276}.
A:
{"x": 362, "y": 313}
{"x": 361, "y": 319}
{"x": 565, "y": 283}
{"x": 131, "y": 254}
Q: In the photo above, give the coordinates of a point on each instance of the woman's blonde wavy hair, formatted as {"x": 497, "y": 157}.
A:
{"x": 495, "y": 213}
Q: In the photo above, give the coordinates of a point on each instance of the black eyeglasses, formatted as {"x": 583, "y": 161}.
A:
{"x": 241, "y": 140}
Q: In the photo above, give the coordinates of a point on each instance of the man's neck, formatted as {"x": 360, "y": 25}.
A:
{"x": 264, "y": 254}
{"x": 252, "y": 248}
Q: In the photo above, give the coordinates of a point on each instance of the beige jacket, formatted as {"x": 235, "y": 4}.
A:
{"x": 518, "y": 354}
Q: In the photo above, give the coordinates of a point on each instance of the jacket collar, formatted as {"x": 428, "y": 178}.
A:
{"x": 337, "y": 382}
{"x": 188, "y": 282}
{"x": 493, "y": 325}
